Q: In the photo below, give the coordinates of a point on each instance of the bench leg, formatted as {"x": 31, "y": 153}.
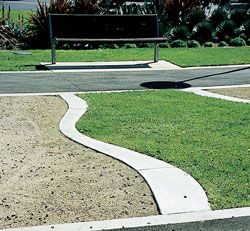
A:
{"x": 156, "y": 52}
{"x": 53, "y": 54}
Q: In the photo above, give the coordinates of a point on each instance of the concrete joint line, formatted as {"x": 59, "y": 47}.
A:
{"x": 174, "y": 190}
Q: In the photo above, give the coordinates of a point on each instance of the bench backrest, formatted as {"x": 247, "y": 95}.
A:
{"x": 103, "y": 26}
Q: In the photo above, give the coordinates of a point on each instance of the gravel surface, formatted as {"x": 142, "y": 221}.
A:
{"x": 46, "y": 178}
{"x": 240, "y": 92}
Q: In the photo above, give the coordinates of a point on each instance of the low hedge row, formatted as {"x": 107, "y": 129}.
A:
{"x": 237, "y": 42}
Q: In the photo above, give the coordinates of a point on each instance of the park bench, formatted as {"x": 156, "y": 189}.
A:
{"x": 88, "y": 29}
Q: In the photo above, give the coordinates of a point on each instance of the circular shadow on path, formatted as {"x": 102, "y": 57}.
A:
{"x": 165, "y": 85}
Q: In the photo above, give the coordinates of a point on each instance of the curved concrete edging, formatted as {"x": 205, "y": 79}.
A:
{"x": 202, "y": 91}
{"x": 174, "y": 190}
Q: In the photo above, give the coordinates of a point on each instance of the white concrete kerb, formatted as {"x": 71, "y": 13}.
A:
{"x": 202, "y": 91}
{"x": 143, "y": 221}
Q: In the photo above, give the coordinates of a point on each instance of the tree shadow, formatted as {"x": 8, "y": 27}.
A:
{"x": 183, "y": 84}
{"x": 216, "y": 74}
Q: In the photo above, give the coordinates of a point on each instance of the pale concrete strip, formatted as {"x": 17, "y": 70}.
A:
{"x": 25, "y": 72}
{"x": 221, "y": 66}
{"x": 185, "y": 196}
{"x": 160, "y": 220}
{"x": 202, "y": 92}
{"x": 220, "y": 87}
{"x": 61, "y": 67}
{"x": 176, "y": 190}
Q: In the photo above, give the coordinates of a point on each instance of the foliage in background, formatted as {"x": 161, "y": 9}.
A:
{"x": 180, "y": 32}
{"x": 208, "y": 44}
{"x": 222, "y": 44}
{"x": 218, "y": 16}
{"x": 193, "y": 44}
{"x": 197, "y": 15}
{"x": 239, "y": 16}
{"x": 226, "y": 30}
{"x": 179, "y": 43}
{"x": 238, "y": 42}
{"x": 182, "y": 19}
{"x": 38, "y": 29}
{"x": 203, "y": 31}
{"x": 10, "y": 30}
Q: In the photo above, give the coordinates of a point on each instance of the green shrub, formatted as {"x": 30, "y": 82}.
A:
{"x": 147, "y": 45}
{"x": 193, "y": 44}
{"x": 129, "y": 45}
{"x": 248, "y": 41}
{"x": 180, "y": 32}
{"x": 218, "y": 16}
{"x": 10, "y": 33}
{"x": 208, "y": 44}
{"x": 222, "y": 44}
{"x": 226, "y": 29}
{"x": 196, "y": 16}
{"x": 179, "y": 43}
{"x": 164, "y": 45}
{"x": 238, "y": 42}
{"x": 247, "y": 28}
{"x": 38, "y": 26}
{"x": 239, "y": 16}
{"x": 66, "y": 46}
{"x": 38, "y": 23}
{"x": 203, "y": 31}
{"x": 113, "y": 46}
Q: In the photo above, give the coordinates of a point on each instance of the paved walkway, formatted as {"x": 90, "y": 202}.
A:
{"x": 44, "y": 82}
{"x": 21, "y": 4}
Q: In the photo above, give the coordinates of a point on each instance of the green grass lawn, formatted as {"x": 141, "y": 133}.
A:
{"x": 184, "y": 57}
{"x": 208, "y": 138}
{"x": 14, "y": 14}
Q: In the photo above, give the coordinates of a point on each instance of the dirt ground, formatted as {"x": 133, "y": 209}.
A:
{"x": 46, "y": 179}
{"x": 240, "y": 92}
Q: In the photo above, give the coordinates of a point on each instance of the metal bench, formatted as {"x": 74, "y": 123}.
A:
{"x": 104, "y": 28}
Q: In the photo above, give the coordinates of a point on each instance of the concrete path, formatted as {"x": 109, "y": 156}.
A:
{"x": 121, "y": 80}
{"x": 174, "y": 190}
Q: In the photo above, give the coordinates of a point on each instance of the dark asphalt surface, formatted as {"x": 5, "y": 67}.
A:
{"x": 230, "y": 224}
{"x": 121, "y": 80}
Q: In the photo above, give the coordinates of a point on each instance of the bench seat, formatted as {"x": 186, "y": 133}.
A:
{"x": 110, "y": 40}
{"x": 91, "y": 28}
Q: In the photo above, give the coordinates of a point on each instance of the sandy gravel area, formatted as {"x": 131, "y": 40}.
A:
{"x": 240, "y": 92}
{"x": 46, "y": 178}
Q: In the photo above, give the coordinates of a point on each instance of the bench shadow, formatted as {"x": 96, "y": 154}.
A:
{"x": 165, "y": 85}
{"x": 98, "y": 67}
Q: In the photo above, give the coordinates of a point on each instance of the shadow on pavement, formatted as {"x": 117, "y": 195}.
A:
{"x": 216, "y": 74}
{"x": 96, "y": 67}
{"x": 183, "y": 84}
{"x": 165, "y": 85}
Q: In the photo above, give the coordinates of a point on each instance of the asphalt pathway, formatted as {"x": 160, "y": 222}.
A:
{"x": 21, "y": 4}
{"x": 36, "y": 82}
